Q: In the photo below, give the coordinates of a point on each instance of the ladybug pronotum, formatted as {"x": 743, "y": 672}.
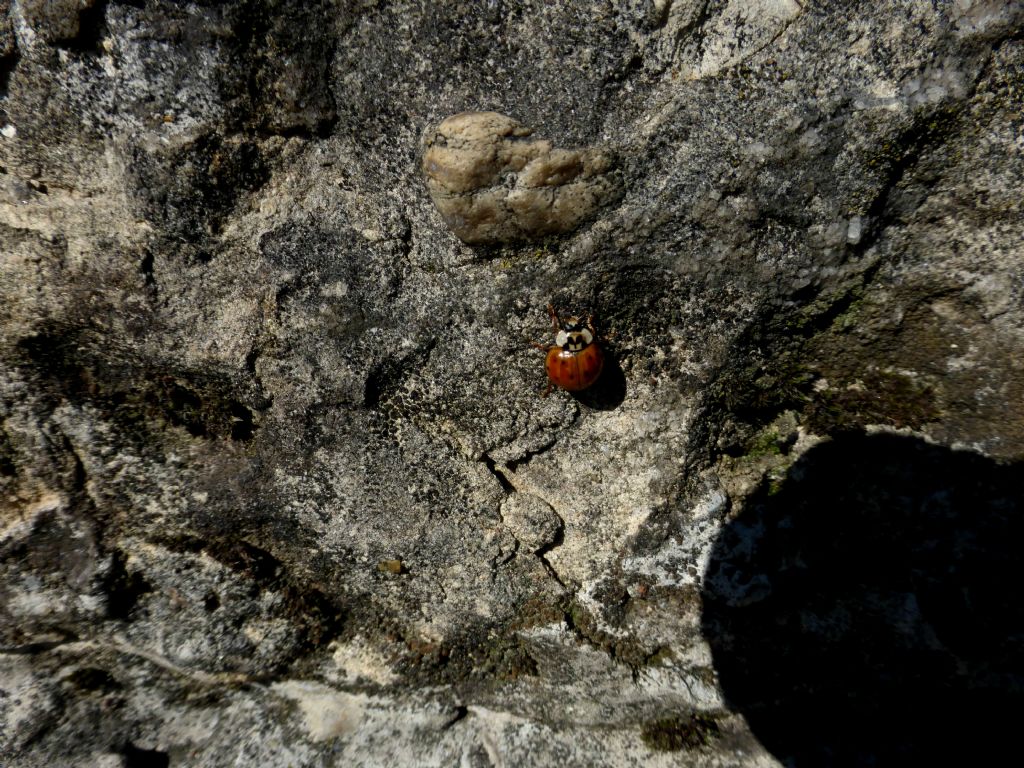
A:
{"x": 575, "y": 360}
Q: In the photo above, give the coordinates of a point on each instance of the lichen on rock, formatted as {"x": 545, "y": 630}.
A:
{"x": 277, "y": 487}
{"x": 491, "y": 184}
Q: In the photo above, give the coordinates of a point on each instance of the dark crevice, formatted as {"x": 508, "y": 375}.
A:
{"x": 499, "y": 475}
{"x": 242, "y": 422}
{"x": 124, "y": 589}
{"x": 205, "y": 408}
{"x": 92, "y": 679}
{"x": 8, "y": 468}
{"x": 372, "y": 389}
{"x": 136, "y": 757}
{"x": 250, "y": 360}
{"x": 543, "y": 551}
{"x": 460, "y": 714}
{"x": 514, "y": 465}
{"x": 8, "y": 63}
{"x": 92, "y": 23}
{"x": 927, "y": 132}
{"x": 146, "y": 268}
{"x": 509, "y": 488}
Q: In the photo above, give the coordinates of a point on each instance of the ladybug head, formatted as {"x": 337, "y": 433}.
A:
{"x": 575, "y": 334}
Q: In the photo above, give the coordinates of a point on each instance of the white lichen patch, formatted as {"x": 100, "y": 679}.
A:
{"x": 682, "y": 562}
{"x": 328, "y": 714}
{"x": 363, "y": 724}
{"x": 492, "y": 185}
{"x": 357, "y": 660}
{"x": 742, "y": 29}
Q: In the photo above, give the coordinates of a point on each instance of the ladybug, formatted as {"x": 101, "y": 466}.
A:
{"x": 575, "y": 360}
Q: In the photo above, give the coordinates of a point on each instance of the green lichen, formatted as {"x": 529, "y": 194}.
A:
{"x": 767, "y": 442}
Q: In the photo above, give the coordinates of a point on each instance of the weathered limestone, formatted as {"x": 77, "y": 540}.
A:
{"x": 492, "y": 185}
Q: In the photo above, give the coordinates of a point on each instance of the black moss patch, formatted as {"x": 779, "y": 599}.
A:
{"x": 124, "y": 589}
{"x": 866, "y": 611}
{"x": 672, "y": 734}
{"x": 134, "y": 394}
{"x": 319, "y": 618}
{"x": 188, "y": 191}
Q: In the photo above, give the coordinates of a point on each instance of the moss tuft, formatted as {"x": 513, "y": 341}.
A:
{"x": 879, "y": 398}
{"x": 672, "y": 734}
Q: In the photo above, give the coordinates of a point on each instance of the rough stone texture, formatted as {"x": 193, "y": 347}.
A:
{"x": 491, "y": 186}
{"x": 245, "y": 366}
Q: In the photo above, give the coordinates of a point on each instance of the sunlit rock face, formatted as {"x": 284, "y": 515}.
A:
{"x": 277, "y": 485}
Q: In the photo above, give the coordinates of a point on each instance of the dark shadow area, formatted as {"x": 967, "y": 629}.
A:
{"x": 608, "y": 392}
{"x": 868, "y": 611}
{"x": 135, "y": 757}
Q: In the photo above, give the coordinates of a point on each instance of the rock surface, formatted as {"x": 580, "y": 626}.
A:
{"x": 491, "y": 186}
{"x": 276, "y": 485}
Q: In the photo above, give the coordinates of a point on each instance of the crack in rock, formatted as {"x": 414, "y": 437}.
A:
{"x": 533, "y": 521}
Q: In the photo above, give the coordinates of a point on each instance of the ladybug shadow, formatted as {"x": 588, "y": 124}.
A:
{"x": 608, "y": 392}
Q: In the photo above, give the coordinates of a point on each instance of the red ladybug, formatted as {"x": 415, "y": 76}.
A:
{"x": 576, "y": 359}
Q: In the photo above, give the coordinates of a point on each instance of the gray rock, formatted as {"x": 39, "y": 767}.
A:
{"x": 533, "y": 522}
{"x": 243, "y": 363}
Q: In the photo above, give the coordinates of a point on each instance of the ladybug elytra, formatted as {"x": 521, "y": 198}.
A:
{"x": 575, "y": 360}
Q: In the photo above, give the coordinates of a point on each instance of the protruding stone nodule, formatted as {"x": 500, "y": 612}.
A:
{"x": 492, "y": 184}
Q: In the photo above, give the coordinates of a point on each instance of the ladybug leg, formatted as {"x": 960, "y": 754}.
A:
{"x": 554, "y": 317}
{"x": 547, "y": 390}
{"x": 535, "y": 345}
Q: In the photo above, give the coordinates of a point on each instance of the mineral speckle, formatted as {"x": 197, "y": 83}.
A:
{"x": 492, "y": 184}
{"x": 277, "y": 487}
